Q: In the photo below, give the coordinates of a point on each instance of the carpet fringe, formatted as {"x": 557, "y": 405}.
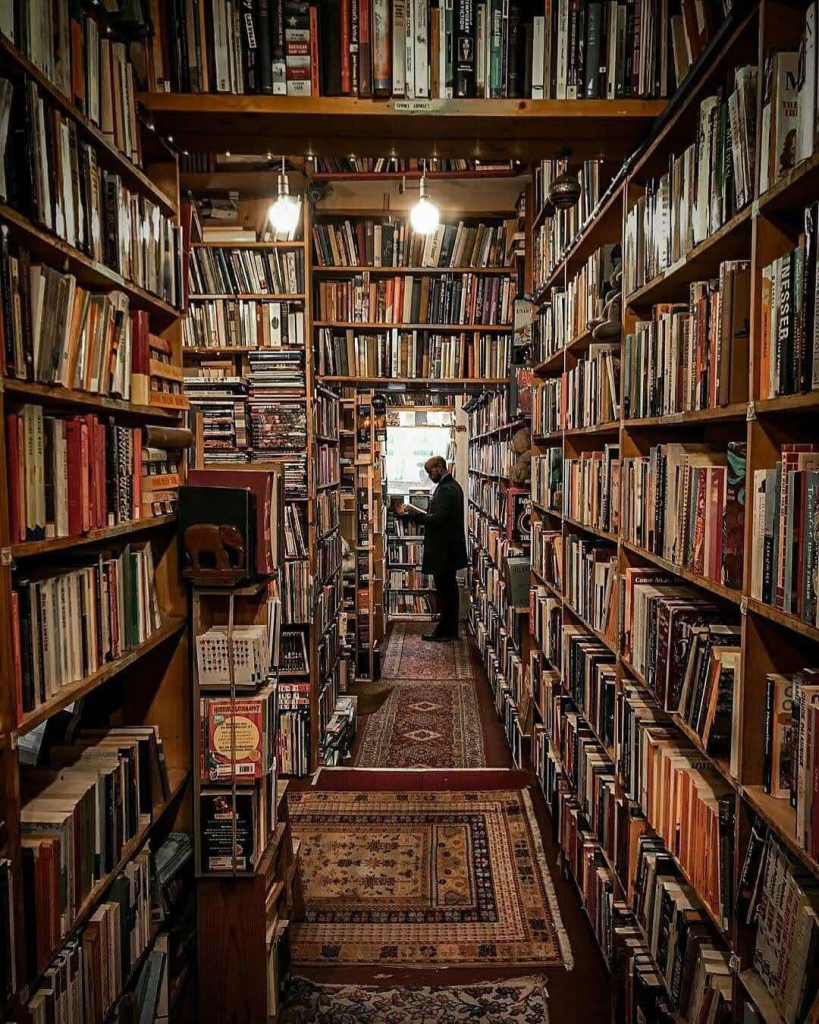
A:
{"x": 551, "y": 895}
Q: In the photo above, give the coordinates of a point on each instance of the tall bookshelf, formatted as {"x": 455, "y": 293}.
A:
{"x": 498, "y": 626}
{"x": 764, "y": 228}
{"x": 146, "y": 683}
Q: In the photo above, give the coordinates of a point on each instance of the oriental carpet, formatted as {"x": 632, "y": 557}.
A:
{"x": 518, "y": 1001}
{"x": 408, "y": 656}
{"x": 441, "y": 878}
{"x": 425, "y": 724}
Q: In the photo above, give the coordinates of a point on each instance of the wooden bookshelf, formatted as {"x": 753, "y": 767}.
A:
{"x": 147, "y": 684}
{"x": 333, "y": 126}
{"x": 772, "y": 640}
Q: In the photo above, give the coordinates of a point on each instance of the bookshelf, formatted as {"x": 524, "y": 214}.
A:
{"x": 144, "y": 680}
{"x": 250, "y": 879}
{"x": 770, "y": 639}
{"x": 500, "y": 628}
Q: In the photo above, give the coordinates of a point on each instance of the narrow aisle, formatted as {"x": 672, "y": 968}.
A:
{"x": 437, "y": 872}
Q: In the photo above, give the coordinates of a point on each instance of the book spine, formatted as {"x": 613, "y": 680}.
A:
{"x": 464, "y": 48}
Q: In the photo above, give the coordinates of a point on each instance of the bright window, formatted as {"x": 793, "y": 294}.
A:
{"x": 408, "y": 448}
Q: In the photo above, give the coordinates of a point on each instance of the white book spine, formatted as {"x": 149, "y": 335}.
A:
{"x": 409, "y": 49}
{"x": 421, "y": 49}
{"x": 538, "y": 55}
{"x": 807, "y": 92}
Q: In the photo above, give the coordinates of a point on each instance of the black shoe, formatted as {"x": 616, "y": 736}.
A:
{"x": 434, "y": 638}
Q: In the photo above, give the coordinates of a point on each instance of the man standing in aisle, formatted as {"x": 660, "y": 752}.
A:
{"x": 444, "y": 545}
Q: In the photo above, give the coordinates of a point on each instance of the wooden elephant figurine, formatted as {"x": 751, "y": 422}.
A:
{"x": 218, "y": 541}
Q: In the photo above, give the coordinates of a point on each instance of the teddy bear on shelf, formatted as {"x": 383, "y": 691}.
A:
{"x": 521, "y": 471}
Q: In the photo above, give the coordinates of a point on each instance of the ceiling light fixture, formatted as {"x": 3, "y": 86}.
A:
{"x": 424, "y": 216}
{"x": 284, "y": 213}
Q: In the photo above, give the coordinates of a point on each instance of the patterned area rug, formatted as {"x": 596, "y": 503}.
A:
{"x": 410, "y": 657}
{"x": 425, "y": 724}
{"x": 421, "y": 878}
{"x": 521, "y": 1001}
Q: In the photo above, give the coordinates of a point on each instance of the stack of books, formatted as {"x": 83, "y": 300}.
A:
{"x": 591, "y": 488}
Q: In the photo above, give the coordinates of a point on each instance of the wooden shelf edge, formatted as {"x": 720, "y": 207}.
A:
{"x": 35, "y": 548}
{"x": 54, "y": 393}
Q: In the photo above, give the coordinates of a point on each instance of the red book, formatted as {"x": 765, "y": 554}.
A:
{"x": 75, "y": 487}
{"x": 16, "y": 519}
{"x": 345, "y": 47}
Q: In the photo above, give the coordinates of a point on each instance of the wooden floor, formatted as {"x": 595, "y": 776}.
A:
{"x": 581, "y": 994}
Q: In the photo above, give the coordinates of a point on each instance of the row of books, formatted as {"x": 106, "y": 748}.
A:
{"x": 789, "y": 105}
{"x": 444, "y": 299}
{"x": 589, "y": 674}
{"x": 54, "y": 179}
{"x": 365, "y": 242}
{"x": 408, "y": 604}
{"x": 66, "y": 625}
{"x": 686, "y": 651}
{"x": 69, "y": 475}
{"x": 327, "y": 468}
{"x": 591, "y": 488}
{"x": 547, "y": 555}
{"x": 784, "y": 551}
{"x": 243, "y": 323}
{"x": 784, "y": 904}
{"x": 411, "y": 165}
{"x": 493, "y": 458}
{"x": 412, "y": 354}
{"x": 572, "y": 310}
{"x": 698, "y": 828}
{"x": 704, "y": 187}
{"x": 408, "y": 579}
{"x": 686, "y": 502}
{"x": 85, "y": 978}
{"x": 80, "y": 58}
{"x": 693, "y": 964}
{"x": 294, "y": 739}
{"x": 590, "y": 587}
{"x": 556, "y": 233}
{"x": 424, "y": 50}
{"x": 326, "y": 415}
{"x": 589, "y": 392}
{"x": 694, "y": 355}
{"x": 546, "y": 613}
{"x": 218, "y": 406}
{"x": 78, "y": 815}
{"x": 326, "y": 507}
{"x": 233, "y": 270}
{"x": 789, "y": 754}
{"x": 547, "y": 479}
{"x": 789, "y": 326}
{"x": 296, "y": 592}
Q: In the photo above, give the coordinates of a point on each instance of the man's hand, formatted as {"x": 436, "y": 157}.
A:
{"x": 398, "y": 508}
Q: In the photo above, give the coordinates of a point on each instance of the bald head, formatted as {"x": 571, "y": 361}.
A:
{"x": 436, "y": 468}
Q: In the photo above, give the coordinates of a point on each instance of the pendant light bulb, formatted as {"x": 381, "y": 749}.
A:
{"x": 284, "y": 213}
{"x": 424, "y": 216}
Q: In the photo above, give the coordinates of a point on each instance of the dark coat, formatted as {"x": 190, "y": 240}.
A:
{"x": 444, "y": 540}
